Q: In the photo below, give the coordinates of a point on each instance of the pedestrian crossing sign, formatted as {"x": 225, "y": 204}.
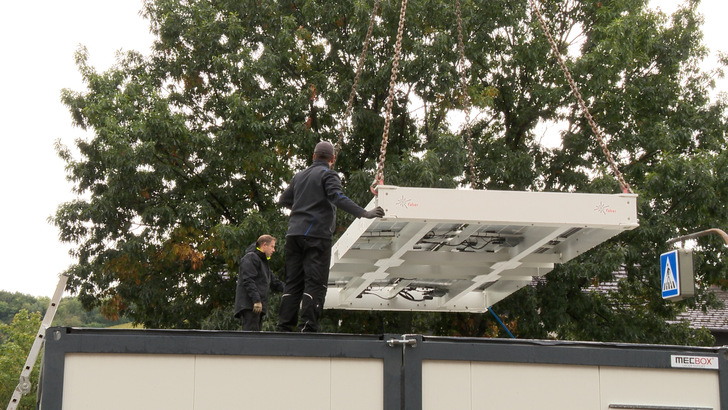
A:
{"x": 670, "y": 274}
{"x": 676, "y": 274}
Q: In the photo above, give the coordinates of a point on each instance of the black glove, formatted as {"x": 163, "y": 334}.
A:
{"x": 377, "y": 212}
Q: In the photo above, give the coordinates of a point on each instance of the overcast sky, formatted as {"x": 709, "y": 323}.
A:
{"x": 37, "y": 42}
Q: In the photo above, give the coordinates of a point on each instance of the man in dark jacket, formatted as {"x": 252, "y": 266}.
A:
{"x": 254, "y": 280}
{"x": 313, "y": 196}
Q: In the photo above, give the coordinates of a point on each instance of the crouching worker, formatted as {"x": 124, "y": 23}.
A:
{"x": 255, "y": 279}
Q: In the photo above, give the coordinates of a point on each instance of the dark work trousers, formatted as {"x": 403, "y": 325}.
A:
{"x": 250, "y": 320}
{"x": 307, "y": 275}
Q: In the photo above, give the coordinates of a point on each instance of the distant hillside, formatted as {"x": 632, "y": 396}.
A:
{"x": 70, "y": 312}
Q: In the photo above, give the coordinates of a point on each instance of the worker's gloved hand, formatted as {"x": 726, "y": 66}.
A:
{"x": 377, "y": 212}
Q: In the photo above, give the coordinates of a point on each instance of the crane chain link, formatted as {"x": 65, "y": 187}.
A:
{"x": 379, "y": 176}
{"x": 612, "y": 163}
{"x": 466, "y": 95}
{"x": 359, "y": 65}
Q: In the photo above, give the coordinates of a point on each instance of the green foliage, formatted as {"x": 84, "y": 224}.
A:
{"x": 70, "y": 310}
{"x": 72, "y": 313}
{"x": 12, "y": 303}
{"x": 192, "y": 145}
{"x": 18, "y": 333}
{"x": 16, "y": 339}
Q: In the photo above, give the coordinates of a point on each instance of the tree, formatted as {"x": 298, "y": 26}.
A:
{"x": 13, "y": 302}
{"x": 16, "y": 339}
{"x": 70, "y": 310}
{"x": 191, "y": 145}
{"x": 670, "y": 141}
{"x": 18, "y": 335}
{"x": 72, "y": 313}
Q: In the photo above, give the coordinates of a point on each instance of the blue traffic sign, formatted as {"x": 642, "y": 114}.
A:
{"x": 670, "y": 274}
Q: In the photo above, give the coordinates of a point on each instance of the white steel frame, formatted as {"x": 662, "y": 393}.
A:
{"x": 465, "y": 250}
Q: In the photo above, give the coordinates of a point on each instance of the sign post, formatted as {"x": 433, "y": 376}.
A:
{"x": 676, "y": 274}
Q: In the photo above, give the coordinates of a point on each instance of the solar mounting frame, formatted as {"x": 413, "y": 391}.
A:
{"x": 461, "y": 250}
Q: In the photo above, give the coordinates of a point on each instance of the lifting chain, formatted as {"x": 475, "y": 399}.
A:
{"x": 466, "y": 96}
{"x": 359, "y": 66}
{"x": 379, "y": 176}
{"x": 612, "y": 163}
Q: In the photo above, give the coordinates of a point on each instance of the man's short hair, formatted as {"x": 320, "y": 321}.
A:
{"x": 324, "y": 150}
{"x": 264, "y": 240}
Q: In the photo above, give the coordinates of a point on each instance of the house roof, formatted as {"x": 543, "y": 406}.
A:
{"x": 712, "y": 319}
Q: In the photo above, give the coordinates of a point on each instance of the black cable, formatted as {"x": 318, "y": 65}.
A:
{"x": 405, "y": 294}
{"x": 366, "y": 292}
{"x": 443, "y": 244}
{"x": 481, "y": 247}
{"x": 402, "y": 293}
